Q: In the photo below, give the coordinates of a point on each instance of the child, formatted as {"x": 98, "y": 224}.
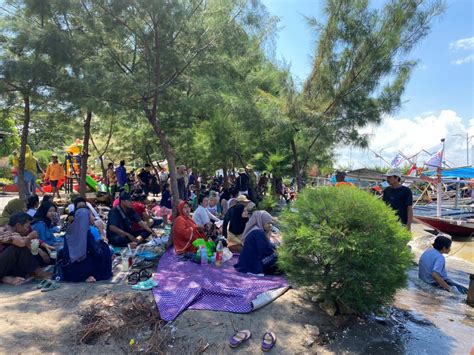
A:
{"x": 166, "y": 207}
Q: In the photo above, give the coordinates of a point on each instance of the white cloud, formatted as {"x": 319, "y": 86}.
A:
{"x": 410, "y": 136}
{"x": 464, "y": 60}
{"x": 464, "y": 43}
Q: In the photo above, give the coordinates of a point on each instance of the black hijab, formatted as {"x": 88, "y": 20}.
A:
{"x": 42, "y": 212}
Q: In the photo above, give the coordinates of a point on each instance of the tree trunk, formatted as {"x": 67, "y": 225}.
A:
{"x": 226, "y": 177}
{"x": 296, "y": 166}
{"x": 24, "y": 141}
{"x": 169, "y": 155}
{"x": 85, "y": 154}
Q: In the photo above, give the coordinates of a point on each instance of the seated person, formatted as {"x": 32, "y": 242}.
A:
{"x": 13, "y": 206}
{"x": 202, "y": 216}
{"x": 213, "y": 206}
{"x": 234, "y": 223}
{"x": 119, "y": 224}
{"x": 32, "y": 205}
{"x": 83, "y": 258}
{"x": 185, "y": 231}
{"x": 97, "y": 227}
{"x": 432, "y": 268}
{"x": 16, "y": 260}
{"x": 258, "y": 255}
{"x": 42, "y": 223}
{"x": 166, "y": 207}
{"x": 140, "y": 205}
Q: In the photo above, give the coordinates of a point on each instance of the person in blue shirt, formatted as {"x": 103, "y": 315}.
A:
{"x": 121, "y": 173}
{"x": 432, "y": 266}
{"x": 42, "y": 223}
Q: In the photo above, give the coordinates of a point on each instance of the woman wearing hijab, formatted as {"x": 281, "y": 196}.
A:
{"x": 258, "y": 255}
{"x": 83, "y": 258}
{"x": 42, "y": 222}
{"x": 185, "y": 230}
{"x": 12, "y": 207}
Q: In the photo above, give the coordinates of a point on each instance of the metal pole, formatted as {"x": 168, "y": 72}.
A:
{"x": 467, "y": 148}
{"x": 457, "y": 194}
{"x": 440, "y": 184}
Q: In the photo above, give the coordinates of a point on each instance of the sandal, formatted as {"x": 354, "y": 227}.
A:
{"x": 53, "y": 285}
{"x": 239, "y": 337}
{"x": 145, "y": 285}
{"x": 136, "y": 277}
{"x": 42, "y": 284}
{"x": 268, "y": 341}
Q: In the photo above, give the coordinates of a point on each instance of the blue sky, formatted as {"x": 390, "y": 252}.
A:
{"x": 438, "y": 101}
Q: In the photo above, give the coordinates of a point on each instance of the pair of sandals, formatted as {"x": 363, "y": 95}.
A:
{"x": 145, "y": 285}
{"x": 268, "y": 339}
{"x": 48, "y": 285}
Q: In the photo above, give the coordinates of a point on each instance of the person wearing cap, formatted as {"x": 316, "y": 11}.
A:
{"x": 54, "y": 172}
{"x": 242, "y": 182}
{"x": 120, "y": 221}
{"x": 340, "y": 180}
{"x": 234, "y": 223}
{"x": 399, "y": 197}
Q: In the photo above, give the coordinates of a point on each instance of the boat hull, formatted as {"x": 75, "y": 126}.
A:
{"x": 451, "y": 227}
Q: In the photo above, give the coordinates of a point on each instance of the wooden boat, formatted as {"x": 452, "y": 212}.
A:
{"x": 461, "y": 225}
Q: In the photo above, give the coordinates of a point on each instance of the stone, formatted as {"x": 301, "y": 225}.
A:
{"x": 312, "y": 330}
{"x": 309, "y": 342}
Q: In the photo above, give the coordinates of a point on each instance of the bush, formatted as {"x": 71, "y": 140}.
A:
{"x": 44, "y": 157}
{"x": 4, "y": 181}
{"x": 268, "y": 203}
{"x": 5, "y": 172}
{"x": 347, "y": 244}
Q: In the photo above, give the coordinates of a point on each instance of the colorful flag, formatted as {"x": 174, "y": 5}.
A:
{"x": 397, "y": 160}
{"x": 435, "y": 161}
{"x": 412, "y": 171}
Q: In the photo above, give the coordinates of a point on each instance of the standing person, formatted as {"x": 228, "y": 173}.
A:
{"x": 182, "y": 178}
{"x": 163, "y": 176}
{"x": 144, "y": 178}
{"x": 432, "y": 266}
{"x": 112, "y": 180}
{"x": 191, "y": 178}
{"x": 399, "y": 197}
{"x": 262, "y": 184}
{"x": 54, "y": 173}
{"x": 121, "y": 174}
{"x": 242, "y": 182}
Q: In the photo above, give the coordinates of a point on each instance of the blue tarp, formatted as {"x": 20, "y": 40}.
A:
{"x": 466, "y": 173}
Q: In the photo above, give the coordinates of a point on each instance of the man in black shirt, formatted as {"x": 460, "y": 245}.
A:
{"x": 145, "y": 178}
{"x": 399, "y": 197}
{"x": 119, "y": 224}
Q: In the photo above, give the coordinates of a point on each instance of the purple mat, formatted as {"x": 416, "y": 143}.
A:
{"x": 184, "y": 284}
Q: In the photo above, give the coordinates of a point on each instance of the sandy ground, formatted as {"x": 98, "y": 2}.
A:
{"x": 36, "y": 322}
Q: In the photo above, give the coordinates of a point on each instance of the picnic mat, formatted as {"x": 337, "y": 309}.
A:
{"x": 186, "y": 285}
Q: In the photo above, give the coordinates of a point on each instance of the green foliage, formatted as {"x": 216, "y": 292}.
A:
{"x": 348, "y": 244}
{"x": 5, "y": 172}
{"x": 269, "y": 203}
{"x": 10, "y": 139}
{"x": 44, "y": 157}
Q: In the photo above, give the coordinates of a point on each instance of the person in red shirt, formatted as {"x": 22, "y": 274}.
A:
{"x": 139, "y": 205}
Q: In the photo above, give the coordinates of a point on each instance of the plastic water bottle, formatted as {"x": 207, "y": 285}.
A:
{"x": 219, "y": 251}
{"x": 203, "y": 255}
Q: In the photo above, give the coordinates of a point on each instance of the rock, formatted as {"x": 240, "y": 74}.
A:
{"x": 309, "y": 342}
{"x": 328, "y": 307}
{"x": 312, "y": 330}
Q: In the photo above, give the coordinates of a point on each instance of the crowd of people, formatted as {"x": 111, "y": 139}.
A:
{"x": 85, "y": 251}
{"x": 206, "y": 209}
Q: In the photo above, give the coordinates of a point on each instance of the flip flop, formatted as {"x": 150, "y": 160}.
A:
{"x": 53, "y": 285}
{"x": 268, "y": 341}
{"x": 145, "y": 285}
{"x": 239, "y": 337}
{"x": 42, "y": 284}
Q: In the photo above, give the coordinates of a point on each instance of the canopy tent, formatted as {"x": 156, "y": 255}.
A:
{"x": 464, "y": 172}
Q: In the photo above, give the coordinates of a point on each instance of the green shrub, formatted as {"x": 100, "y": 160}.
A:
{"x": 347, "y": 244}
{"x": 44, "y": 157}
{"x": 268, "y": 203}
{"x": 5, "y": 172}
